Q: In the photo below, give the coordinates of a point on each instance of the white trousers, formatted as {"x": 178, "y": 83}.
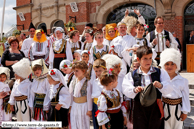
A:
{"x": 172, "y": 122}
{"x": 22, "y": 110}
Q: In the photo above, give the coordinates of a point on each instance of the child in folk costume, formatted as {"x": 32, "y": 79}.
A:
{"x": 40, "y": 48}
{"x": 176, "y": 103}
{"x": 89, "y": 43}
{"x": 5, "y": 109}
{"x": 74, "y": 42}
{"x": 81, "y": 90}
{"x": 39, "y": 92}
{"x": 85, "y": 56}
{"x": 111, "y": 112}
{"x": 114, "y": 62}
{"x": 77, "y": 55}
{"x": 66, "y": 68}
{"x": 60, "y": 98}
{"x": 20, "y": 92}
{"x": 134, "y": 83}
{"x": 60, "y": 49}
{"x": 98, "y": 50}
{"x": 99, "y": 66}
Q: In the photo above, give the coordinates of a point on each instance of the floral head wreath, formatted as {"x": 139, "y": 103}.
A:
{"x": 52, "y": 72}
{"x": 42, "y": 31}
{"x": 110, "y": 72}
{"x": 146, "y": 26}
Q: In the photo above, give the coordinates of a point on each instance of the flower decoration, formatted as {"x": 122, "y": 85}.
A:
{"x": 113, "y": 46}
{"x": 52, "y": 72}
{"x": 89, "y": 52}
{"x": 164, "y": 36}
{"x": 115, "y": 28}
{"x": 71, "y": 65}
{"x": 65, "y": 65}
{"x": 110, "y": 71}
{"x": 146, "y": 26}
{"x": 42, "y": 31}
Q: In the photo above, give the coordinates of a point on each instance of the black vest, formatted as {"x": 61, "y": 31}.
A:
{"x": 152, "y": 35}
{"x": 137, "y": 81}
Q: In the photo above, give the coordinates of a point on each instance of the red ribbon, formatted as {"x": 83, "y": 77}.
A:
{"x": 97, "y": 112}
{"x": 124, "y": 104}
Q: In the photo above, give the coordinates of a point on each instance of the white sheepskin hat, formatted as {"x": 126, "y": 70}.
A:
{"x": 111, "y": 60}
{"x": 170, "y": 54}
{"x": 22, "y": 68}
{"x": 65, "y": 64}
{"x": 130, "y": 22}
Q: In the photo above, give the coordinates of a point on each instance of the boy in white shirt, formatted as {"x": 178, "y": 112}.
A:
{"x": 176, "y": 103}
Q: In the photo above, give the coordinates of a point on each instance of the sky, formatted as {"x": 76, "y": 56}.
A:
{"x": 10, "y": 15}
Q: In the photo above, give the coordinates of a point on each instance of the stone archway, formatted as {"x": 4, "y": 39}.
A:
{"x": 109, "y": 5}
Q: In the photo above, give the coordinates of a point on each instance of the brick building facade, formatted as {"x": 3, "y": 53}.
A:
{"x": 53, "y": 12}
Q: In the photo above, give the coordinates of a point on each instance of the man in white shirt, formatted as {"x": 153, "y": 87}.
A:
{"x": 27, "y": 42}
{"x": 127, "y": 41}
{"x": 161, "y": 39}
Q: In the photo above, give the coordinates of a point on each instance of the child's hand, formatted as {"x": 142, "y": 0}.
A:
{"x": 70, "y": 109}
{"x": 103, "y": 127}
{"x": 183, "y": 117}
{"x": 128, "y": 106}
{"x": 89, "y": 113}
{"x": 125, "y": 121}
{"x": 12, "y": 108}
{"x": 3, "y": 94}
{"x": 157, "y": 85}
{"x": 58, "y": 106}
{"x": 138, "y": 89}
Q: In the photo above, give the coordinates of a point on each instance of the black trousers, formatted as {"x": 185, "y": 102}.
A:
{"x": 147, "y": 117}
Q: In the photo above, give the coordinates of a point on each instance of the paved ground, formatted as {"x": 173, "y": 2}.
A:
{"x": 189, "y": 122}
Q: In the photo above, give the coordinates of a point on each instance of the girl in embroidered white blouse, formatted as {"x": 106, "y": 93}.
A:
{"x": 111, "y": 112}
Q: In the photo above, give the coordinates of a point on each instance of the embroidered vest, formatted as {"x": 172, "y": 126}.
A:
{"x": 56, "y": 98}
{"x": 70, "y": 79}
{"x": 89, "y": 72}
{"x": 98, "y": 55}
{"x": 137, "y": 81}
{"x": 112, "y": 102}
{"x": 73, "y": 49}
{"x": 62, "y": 48}
{"x": 83, "y": 89}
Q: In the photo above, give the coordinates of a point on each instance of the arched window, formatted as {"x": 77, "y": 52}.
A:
{"x": 147, "y": 11}
{"x": 59, "y": 23}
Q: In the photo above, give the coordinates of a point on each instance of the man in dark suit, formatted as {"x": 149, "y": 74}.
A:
{"x": 175, "y": 36}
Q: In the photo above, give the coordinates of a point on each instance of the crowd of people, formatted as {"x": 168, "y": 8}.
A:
{"x": 111, "y": 75}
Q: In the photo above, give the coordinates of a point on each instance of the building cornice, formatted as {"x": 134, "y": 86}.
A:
{"x": 23, "y": 6}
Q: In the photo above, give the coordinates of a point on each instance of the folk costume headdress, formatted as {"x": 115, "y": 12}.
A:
{"x": 22, "y": 68}
{"x": 170, "y": 54}
{"x": 112, "y": 26}
{"x": 65, "y": 64}
{"x": 130, "y": 22}
{"x": 56, "y": 75}
{"x": 43, "y": 37}
{"x": 44, "y": 68}
{"x": 6, "y": 71}
{"x": 31, "y": 26}
{"x": 111, "y": 60}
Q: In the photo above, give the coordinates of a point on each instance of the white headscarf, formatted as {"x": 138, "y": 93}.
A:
{"x": 6, "y": 71}
{"x": 65, "y": 62}
{"x": 56, "y": 75}
{"x": 61, "y": 30}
